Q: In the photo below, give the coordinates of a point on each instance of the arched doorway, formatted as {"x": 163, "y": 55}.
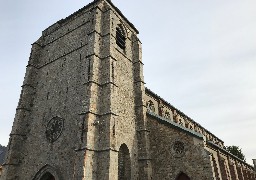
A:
{"x": 47, "y": 172}
{"x": 47, "y": 176}
{"x": 124, "y": 163}
{"x": 182, "y": 176}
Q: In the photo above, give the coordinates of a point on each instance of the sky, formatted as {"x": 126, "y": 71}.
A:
{"x": 199, "y": 56}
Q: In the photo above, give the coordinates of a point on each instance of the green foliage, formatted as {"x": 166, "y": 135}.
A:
{"x": 235, "y": 150}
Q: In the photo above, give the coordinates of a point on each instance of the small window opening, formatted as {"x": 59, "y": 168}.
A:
{"x": 120, "y": 37}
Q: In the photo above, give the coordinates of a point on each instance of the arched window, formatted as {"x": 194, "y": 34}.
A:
{"x": 47, "y": 172}
{"x": 124, "y": 163}
{"x": 120, "y": 37}
{"x": 47, "y": 176}
{"x": 150, "y": 106}
{"x": 167, "y": 115}
{"x": 182, "y": 176}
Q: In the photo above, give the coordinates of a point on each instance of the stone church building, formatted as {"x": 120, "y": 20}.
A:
{"x": 85, "y": 114}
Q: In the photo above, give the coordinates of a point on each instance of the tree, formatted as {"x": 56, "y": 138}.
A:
{"x": 236, "y": 151}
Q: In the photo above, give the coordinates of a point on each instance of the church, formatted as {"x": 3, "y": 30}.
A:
{"x": 85, "y": 114}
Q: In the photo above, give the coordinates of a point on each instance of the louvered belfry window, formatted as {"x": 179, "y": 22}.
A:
{"x": 120, "y": 37}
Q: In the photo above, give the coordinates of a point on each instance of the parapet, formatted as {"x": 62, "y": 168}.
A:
{"x": 157, "y": 105}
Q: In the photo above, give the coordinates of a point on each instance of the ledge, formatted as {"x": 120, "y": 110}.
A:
{"x": 175, "y": 125}
{"x": 96, "y": 150}
{"x": 100, "y": 85}
{"x": 96, "y": 114}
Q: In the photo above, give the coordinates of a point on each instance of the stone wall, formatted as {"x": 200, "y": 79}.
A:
{"x": 53, "y": 96}
{"x": 175, "y": 150}
{"x": 165, "y": 128}
{"x": 162, "y": 108}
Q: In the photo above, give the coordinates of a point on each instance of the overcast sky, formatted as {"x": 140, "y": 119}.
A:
{"x": 199, "y": 55}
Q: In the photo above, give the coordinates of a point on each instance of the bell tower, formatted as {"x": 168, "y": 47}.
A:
{"x": 81, "y": 113}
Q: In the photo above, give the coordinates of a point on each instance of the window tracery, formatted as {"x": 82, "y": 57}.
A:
{"x": 150, "y": 106}
{"x": 54, "y": 129}
{"x": 178, "y": 148}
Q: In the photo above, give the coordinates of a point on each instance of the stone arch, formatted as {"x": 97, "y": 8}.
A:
{"x": 47, "y": 176}
{"x": 182, "y": 176}
{"x": 124, "y": 163}
{"x": 47, "y": 172}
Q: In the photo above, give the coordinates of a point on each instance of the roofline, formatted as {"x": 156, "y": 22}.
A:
{"x": 121, "y": 14}
{"x": 91, "y": 4}
{"x": 154, "y": 94}
{"x": 175, "y": 125}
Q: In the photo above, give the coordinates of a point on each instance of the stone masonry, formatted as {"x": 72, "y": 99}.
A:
{"x": 199, "y": 154}
{"x": 85, "y": 114}
{"x": 78, "y": 100}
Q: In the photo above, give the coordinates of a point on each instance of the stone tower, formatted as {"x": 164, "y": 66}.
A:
{"x": 81, "y": 113}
